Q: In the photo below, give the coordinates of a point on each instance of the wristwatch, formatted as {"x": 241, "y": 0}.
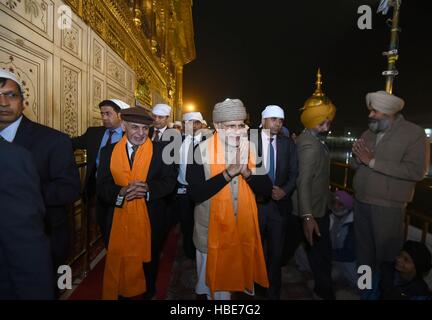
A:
{"x": 119, "y": 201}
{"x": 307, "y": 217}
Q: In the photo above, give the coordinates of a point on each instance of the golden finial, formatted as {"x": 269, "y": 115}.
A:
{"x": 318, "y": 91}
{"x": 318, "y": 97}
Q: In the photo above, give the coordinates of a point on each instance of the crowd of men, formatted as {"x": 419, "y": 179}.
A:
{"x": 245, "y": 199}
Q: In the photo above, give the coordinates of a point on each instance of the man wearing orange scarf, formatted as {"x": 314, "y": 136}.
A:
{"x": 134, "y": 181}
{"x": 226, "y": 231}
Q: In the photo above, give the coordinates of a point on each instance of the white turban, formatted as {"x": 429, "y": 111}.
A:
{"x": 162, "y": 110}
{"x": 122, "y": 105}
{"x": 189, "y": 116}
{"x": 11, "y": 76}
{"x": 384, "y": 102}
{"x": 273, "y": 112}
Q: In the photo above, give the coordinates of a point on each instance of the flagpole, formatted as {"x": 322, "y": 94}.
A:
{"x": 392, "y": 54}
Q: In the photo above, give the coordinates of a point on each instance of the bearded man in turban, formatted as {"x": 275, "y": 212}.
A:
{"x": 390, "y": 158}
{"x": 310, "y": 201}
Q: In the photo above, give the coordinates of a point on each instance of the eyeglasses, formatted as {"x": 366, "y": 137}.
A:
{"x": 10, "y": 95}
{"x": 234, "y": 126}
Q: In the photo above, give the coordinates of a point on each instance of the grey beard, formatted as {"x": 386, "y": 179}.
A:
{"x": 377, "y": 126}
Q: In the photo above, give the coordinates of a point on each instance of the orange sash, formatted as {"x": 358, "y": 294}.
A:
{"x": 130, "y": 239}
{"x": 235, "y": 257}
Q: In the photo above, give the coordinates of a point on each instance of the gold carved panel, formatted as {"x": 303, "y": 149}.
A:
{"x": 36, "y": 14}
{"x": 70, "y": 98}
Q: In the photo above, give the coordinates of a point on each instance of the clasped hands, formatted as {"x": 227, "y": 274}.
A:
{"x": 134, "y": 190}
{"x": 362, "y": 152}
{"x": 238, "y": 165}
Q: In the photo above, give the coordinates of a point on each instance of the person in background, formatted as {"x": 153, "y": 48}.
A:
{"x": 403, "y": 278}
{"x": 93, "y": 140}
{"x": 161, "y": 113}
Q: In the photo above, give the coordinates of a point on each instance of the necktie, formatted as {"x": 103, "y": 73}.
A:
{"x": 271, "y": 160}
{"x": 156, "y": 136}
{"x": 134, "y": 150}
{"x": 109, "y": 141}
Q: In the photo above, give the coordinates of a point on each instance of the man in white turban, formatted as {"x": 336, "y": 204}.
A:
{"x": 279, "y": 156}
{"x": 390, "y": 158}
{"x": 161, "y": 113}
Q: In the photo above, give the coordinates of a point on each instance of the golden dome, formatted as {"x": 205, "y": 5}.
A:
{"x": 318, "y": 98}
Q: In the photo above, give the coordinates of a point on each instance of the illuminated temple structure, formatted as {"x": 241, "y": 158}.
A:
{"x": 70, "y": 55}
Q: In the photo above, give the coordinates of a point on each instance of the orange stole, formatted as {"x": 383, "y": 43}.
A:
{"x": 235, "y": 257}
{"x": 130, "y": 240}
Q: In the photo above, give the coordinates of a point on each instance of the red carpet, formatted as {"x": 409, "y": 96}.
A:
{"x": 91, "y": 287}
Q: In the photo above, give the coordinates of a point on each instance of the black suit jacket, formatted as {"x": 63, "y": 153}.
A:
{"x": 90, "y": 141}
{"x": 25, "y": 259}
{"x": 286, "y": 169}
{"x": 161, "y": 180}
{"x": 53, "y": 157}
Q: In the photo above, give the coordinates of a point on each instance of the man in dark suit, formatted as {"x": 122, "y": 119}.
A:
{"x": 279, "y": 156}
{"x": 25, "y": 260}
{"x": 93, "y": 140}
{"x": 161, "y": 113}
{"x": 53, "y": 157}
{"x": 160, "y": 183}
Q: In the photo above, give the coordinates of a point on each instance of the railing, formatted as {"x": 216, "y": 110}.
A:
{"x": 341, "y": 178}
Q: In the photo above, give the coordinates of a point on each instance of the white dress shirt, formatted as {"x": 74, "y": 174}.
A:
{"x": 161, "y": 132}
{"x": 184, "y": 150}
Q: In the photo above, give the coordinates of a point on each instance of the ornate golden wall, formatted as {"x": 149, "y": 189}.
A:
{"x": 73, "y": 54}
{"x": 154, "y": 37}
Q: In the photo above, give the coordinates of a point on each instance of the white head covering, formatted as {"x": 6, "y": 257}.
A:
{"x": 121, "y": 104}
{"x": 178, "y": 123}
{"x": 384, "y": 102}
{"x": 11, "y": 76}
{"x": 204, "y": 123}
{"x": 193, "y": 116}
{"x": 273, "y": 111}
{"x": 162, "y": 110}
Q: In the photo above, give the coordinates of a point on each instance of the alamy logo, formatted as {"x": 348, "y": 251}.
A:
{"x": 365, "y": 20}
{"x": 64, "y": 21}
{"x": 365, "y": 279}
{"x": 65, "y": 279}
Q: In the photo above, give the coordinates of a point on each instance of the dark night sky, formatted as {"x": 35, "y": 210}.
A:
{"x": 268, "y": 53}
